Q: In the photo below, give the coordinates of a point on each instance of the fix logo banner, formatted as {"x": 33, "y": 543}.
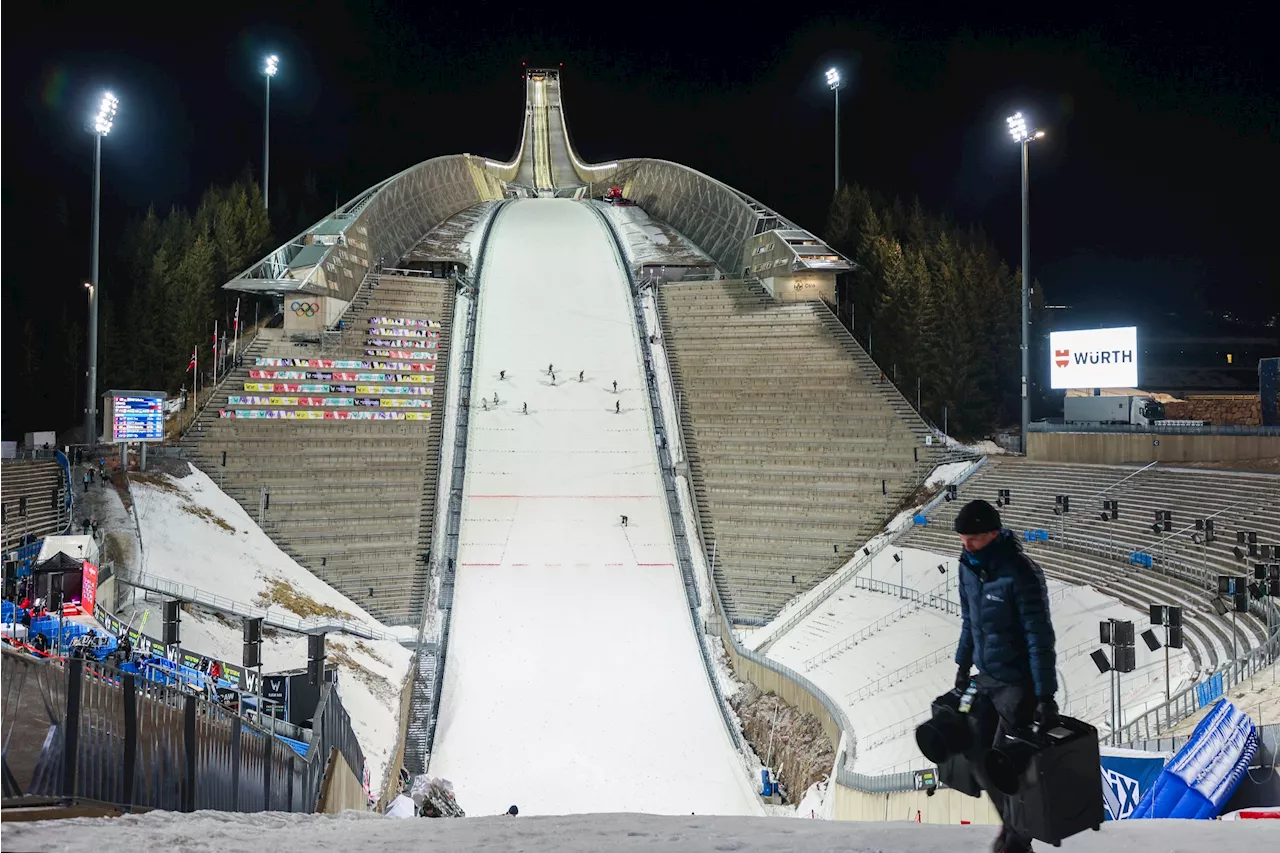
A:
{"x": 1125, "y": 778}
{"x": 1094, "y": 358}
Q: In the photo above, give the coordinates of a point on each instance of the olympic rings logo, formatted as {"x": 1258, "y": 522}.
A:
{"x": 305, "y": 309}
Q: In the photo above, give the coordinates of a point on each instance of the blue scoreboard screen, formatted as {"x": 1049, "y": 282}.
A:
{"x": 137, "y": 417}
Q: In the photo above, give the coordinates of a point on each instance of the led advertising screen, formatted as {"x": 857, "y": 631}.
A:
{"x": 1094, "y": 358}
{"x": 137, "y": 416}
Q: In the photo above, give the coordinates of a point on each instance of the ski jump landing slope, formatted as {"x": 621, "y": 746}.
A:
{"x": 574, "y": 682}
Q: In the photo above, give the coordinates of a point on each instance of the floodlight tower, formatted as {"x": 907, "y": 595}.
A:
{"x": 1024, "y": 138}
{"x": 833, "y": 81}
{"x": 99, "y": 126}
{"x": 268, "y": 71}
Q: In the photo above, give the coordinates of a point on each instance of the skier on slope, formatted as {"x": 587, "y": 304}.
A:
{"x": 617, "y": 408}
{"x": 502, "y": 374}
{"x": 615, "y": 386}
{"x": 580, "y": 373}
{"x": 525, "y": 410}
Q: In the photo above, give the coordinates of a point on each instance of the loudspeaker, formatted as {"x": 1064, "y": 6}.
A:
{"x": 1220, "y": 607}
{"x": 1253, "y": 537}
{"x": 1259, "y": 571}
{"x": 1239, "y": 537}
{"x": 315, "y": 659}
{"x": 1174, "y": 614}
{"x": 1157, "y": 614}
{"x": 1124, "y": 633}
{"x": 1125, "y": 659}
{"x": 1241, "y": 601}
{"x": 1149, "y": 637}
{"x": 1175, "y": 636}
{"x": 1104, "y": 633}
{"x": 253, "y": 630}
{"x": 172, "y": 616}
{"x": 251, "y": 655}
{"x": 1100, "y": 660}
{"x": 1224, "y": 584}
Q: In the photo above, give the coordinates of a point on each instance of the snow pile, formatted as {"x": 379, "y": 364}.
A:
{"x": 196, "y": 534}
{"x": 218, "y": 832}
{"x": 649, "y": 241}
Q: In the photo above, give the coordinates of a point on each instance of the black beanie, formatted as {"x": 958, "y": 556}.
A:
{"x": 977, "y": 517}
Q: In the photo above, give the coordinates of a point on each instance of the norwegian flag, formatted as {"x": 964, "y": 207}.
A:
{"x": 235, "y": 324}
{"x": 191, "y": 365}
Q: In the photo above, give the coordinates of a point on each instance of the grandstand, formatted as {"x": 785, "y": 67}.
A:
{"x": 798, "y": 453}
{"x": 43, "y": 483}
{"x": 341, "y": 434}
{"x": 1084, "y": 549}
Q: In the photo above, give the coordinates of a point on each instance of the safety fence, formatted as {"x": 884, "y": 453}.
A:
{"x": 84, "y": 731}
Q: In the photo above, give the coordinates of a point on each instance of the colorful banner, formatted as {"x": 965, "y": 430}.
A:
{"x": 419, "y": 390}
{"x": 89, "y": 586}
{"x": 399, "y": 353}
{"x": 402, "y": 342}
{"x": 322, "y": 415}
{"x": 342, "y": 376}
{"x": 348, "y": 364}
{"x": 404, "y": 321}
{"x": 404, "y": 333}
{"x": 337, "y": 402}
{"x": 412, "y": 390}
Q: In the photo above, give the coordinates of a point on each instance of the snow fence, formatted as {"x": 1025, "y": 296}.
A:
{"x": 1200, "y": 779}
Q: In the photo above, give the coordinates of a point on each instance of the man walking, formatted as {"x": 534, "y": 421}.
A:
{"x": 1006, "y": 632}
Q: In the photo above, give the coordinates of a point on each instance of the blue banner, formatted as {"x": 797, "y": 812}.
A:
{"x": 1125, "y": 778}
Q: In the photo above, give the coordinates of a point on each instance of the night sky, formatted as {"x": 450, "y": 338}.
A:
{"x": 1156, "y": 187}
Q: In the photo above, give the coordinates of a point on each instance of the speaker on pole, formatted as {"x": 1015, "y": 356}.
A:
{"x": 315, "y": 659}
{"x": 172, "y": 616}
{"x": 252, "y": 653}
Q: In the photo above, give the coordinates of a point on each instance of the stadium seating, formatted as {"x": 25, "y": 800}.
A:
{"x": 37, "y": 481}
{"x": 1083, "y": 548}
{"x": 797, "y": 449}
{"x": 345, "y": 436}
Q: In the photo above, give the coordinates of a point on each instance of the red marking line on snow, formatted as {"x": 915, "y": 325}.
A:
{"x": 566, "y": 497}
{"x": 481, "y": 564}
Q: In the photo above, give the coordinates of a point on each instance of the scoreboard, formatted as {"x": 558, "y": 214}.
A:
{"x": 136, "y": 416}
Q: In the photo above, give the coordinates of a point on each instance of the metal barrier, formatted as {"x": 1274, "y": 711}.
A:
{"x": 1146, "y": 429}
{"x": 296, "y": 624}
{"x": 825, "y": 589}
{"x": 81, "y": 730}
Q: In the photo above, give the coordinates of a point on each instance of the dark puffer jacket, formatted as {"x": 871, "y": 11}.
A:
{"x": 1005, "y": 626}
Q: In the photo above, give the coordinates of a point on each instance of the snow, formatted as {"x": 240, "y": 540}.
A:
{"x": 218, "y": 832}
{"x": 649, "y": 241}
{"x": 884, "y": 722}
{"x": 947, "y": 473}
{"x": 185, "y": 543}
{"x": 574, "y": 683}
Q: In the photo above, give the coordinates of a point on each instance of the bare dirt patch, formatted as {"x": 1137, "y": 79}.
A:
{"x": 209, "y": 516}
{"x": 287, "y": 596}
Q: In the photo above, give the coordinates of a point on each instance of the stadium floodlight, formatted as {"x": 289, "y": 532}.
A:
{"x": 268, "y": 71}
{"x": 1023, "y": 137}
{"x": 106, "y": 114}
{"x": 100, "y": 125}
{"x": 834, "y": 83}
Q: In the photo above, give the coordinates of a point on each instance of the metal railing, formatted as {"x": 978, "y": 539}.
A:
{"x": 824, "y": 590}
{"x": 424, "y": 703}
{"x": 1164, "y": 429}
{"x": 213, "y": 601}
{"x": 80, "y": 730}
{"x": 666, "y": 465}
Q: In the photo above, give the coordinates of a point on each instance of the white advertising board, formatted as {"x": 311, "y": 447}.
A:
{"x": 1094, "y": 358}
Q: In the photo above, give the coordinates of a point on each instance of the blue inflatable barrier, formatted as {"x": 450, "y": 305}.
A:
{"x": 920, "y": 519}
{"x": 1204, "y": 774}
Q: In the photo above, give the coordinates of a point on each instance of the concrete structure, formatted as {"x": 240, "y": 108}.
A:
{"x": 352, "y": 500}
{"x": 42, "y": 484}
{"x": 798, "y": 451}
{"x": 1142, "y": 445}
{"x": 1087, "y": 550}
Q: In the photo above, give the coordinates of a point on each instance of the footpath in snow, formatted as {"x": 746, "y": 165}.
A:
{"x": 574, "y": 681}
{"x": 218, "y": 832}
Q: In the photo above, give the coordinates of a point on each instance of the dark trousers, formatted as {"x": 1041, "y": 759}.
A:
{"x": 1011, "y": 707}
